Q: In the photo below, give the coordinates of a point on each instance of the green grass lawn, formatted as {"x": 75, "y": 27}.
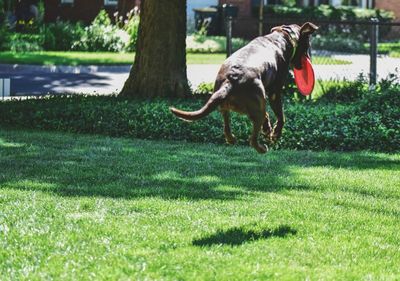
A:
{"x": 85, "y": 58}
{"x": 96, "y": 208}
{"x": 391, "y": 49}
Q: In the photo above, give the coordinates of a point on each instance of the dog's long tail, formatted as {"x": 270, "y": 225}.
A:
{"x": 216, "y": 99}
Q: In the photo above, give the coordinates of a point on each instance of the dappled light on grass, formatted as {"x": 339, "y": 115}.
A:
{"x": 4, "y": 143}
{"x": 176, "y": 170}
{"x": 164, "y": 210}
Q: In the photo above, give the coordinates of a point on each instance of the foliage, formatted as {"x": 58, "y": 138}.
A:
{"x": 364, "y": 121}
{"x": 130, "y": 24}
{"x": 101, "y": 35}
{"x": 344, "y": 91}
{"x": 21, "y": 42}
{"x": 331, "y": 13}
{"x": 204, "y": 89}
{"x": 4, "y": 37}
{"x": 2, "y": 11}
{"x": 61, "y": 35}
{"x": 132, "y": 28}
{"x": 338, "y": 43}
{"x": 392, "y": 49}
{"x": 327, "y": 12}
{"x": 198, "y": 43}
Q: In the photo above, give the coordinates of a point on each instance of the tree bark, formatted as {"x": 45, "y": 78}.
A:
{"x": 160, "y": 63}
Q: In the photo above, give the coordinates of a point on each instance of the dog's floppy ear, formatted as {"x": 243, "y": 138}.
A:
{"x": 308, "y": 28}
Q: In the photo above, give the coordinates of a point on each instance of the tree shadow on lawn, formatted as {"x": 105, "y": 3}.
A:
{"x": 239, "y": 235}
{"x": 72, "y": 165}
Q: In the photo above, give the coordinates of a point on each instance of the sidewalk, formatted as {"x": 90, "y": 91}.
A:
{"x": 34, "y": 80}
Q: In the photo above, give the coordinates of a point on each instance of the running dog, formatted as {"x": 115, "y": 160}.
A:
{"x": 254, "y": 72}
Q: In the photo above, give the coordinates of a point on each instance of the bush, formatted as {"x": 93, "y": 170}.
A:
{"x": 370, "y": 122}
{"x": 131, "y": 26}
{"x": 101, "y": 35}
{"x": 326, "y": 12}
{"x": 4, "y": 38}
{"x": 204, "y": 89}
{"x": 330, "y": 13}
{"x": 211, "y": 44}
{"x": 21, "y": 42}
{"x": 60, "y": 36}
{"x": 338, "y": 43}
{"x": 344, "y": 91}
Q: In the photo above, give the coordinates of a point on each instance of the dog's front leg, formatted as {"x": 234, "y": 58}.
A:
{"x": 277, "y": 107}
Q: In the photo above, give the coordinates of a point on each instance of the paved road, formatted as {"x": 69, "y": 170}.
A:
{"x": 28, "y": 80}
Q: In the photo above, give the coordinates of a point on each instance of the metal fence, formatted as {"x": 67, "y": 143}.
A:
{"x": 345, "y": 49}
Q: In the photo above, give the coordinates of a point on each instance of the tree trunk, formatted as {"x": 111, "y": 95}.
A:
{"x": 160, "y": 63}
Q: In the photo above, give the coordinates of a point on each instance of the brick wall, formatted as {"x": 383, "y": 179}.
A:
{"x": 394, "y": 6}
{"x": 243, "y": 5}
{"x": 391, "y": 5}
{"x": 245, "y": 25}
{"x": 80, "y": 10}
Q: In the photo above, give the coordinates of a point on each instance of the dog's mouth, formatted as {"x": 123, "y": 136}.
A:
{"x": 297, "y": 62}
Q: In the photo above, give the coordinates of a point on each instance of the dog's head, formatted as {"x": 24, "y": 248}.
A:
{"x": 300, "y": 39}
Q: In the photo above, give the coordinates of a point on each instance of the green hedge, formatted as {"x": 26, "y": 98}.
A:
{"x": 211, "y": 44}
{"x": 326, "y": 12}
{"x": 329, "y": 13}
{"x": 371, "y": 122}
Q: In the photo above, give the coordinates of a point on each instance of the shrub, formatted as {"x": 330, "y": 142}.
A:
{"x": 338, "y": 43}
{"x": 204, "y": 89}
{"x": 101, "y": 35}
{"x": 331, "y": 13}
{"x": 211, "y": 44}
{"x": 4, "y": 38}
{"x": 371, "y": 122}
{"x": 60, "y": 36}
{"x": 344, "y": 91}
{"x": 131, "y": 26}
{"x": 21, "y": 42}
{"x": 326, "y": 12}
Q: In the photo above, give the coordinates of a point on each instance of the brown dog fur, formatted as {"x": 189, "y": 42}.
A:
{"x": 251, "y": 74}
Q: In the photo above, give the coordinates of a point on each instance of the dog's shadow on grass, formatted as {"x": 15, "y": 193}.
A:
{"x": 240, "y": 235}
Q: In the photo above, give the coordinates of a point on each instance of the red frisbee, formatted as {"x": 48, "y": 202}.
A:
{"x": 304, "y": 77}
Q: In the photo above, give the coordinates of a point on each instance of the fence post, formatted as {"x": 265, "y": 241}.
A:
{"x": 261, "y": 19}
{"x": 374, "y": 39}
{"x": 228, "y": 21}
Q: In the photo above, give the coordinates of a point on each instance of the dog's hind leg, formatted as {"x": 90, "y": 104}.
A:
{"x": 229, "y": 137}
{"x": 258, "y": 120}
{"x": 277, "y": 107}
{"x": 257, "y": 116}
{"x": 266, "y": 127}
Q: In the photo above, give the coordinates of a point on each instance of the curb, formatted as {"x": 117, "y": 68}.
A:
{"x": 11, "y": 68}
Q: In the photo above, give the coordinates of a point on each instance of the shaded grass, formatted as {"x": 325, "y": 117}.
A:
{"x": 92, "y": 207}
{"x": 101, "y": 58}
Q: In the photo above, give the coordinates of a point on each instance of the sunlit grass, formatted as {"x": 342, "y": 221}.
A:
{"x": 97, "y": 208}
{"x": 101, "y": 58}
